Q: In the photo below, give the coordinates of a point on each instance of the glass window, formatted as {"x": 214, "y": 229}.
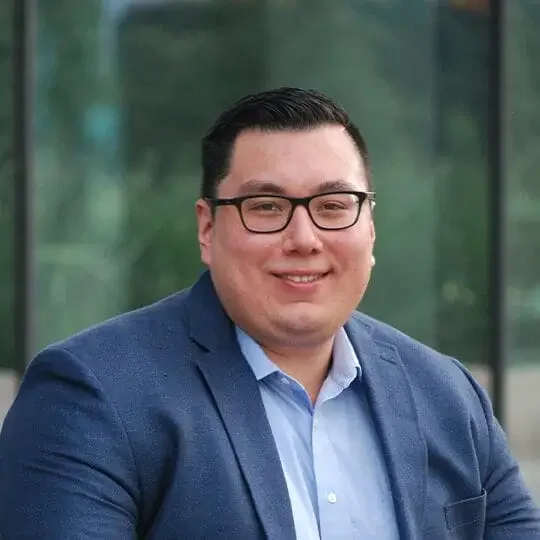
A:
{"x": 119, "y": 124}
{"x": 523, "y": 173}
{"x": 462, "y": 182}
{"x": 7, "y": 360}
{"x": 82, "y": 252}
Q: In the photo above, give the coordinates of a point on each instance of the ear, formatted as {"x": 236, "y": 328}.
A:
{"x": 205, "y": 227}
{"x": 372, "y": 234}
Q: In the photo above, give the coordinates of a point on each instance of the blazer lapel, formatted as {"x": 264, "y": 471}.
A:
{"x": 395, "y": 416}
{"x": 237, "y": 396}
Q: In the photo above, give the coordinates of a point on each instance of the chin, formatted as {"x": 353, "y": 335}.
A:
{"x": 305, "y": 320}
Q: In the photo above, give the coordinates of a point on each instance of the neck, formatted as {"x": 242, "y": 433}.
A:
{"x": 308, "y": 366}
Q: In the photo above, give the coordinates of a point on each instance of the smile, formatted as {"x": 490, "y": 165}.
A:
{"x": 304, "y": 278}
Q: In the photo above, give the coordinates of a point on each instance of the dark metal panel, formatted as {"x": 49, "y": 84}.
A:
{"x": 498, "y": 226}
{"x": 24, "y": 32}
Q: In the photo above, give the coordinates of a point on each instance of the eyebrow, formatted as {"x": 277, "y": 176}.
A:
{"x": 255, "y": 187}
{"x": 336, "y": 185}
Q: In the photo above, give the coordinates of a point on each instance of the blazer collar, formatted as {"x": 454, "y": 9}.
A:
{"x": 237, "y": 396}
{"x": 208, "y": 324}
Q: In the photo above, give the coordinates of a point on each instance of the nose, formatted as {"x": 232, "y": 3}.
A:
{"x": 301, "y": 235}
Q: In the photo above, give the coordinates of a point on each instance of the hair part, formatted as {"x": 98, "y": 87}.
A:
{"x": 281, "y": 109}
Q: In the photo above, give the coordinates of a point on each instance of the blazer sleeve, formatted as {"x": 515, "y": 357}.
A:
{"x": 66, "y": 467}
{"x": 511, "y": 513}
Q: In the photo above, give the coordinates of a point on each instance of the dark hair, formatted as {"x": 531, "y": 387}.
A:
{"x": 273, "y": 110}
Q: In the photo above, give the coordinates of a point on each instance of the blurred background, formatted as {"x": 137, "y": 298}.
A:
{"x": 103, "y": 104}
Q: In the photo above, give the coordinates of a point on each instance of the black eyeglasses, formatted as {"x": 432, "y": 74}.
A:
{"x": 272, "y": 213}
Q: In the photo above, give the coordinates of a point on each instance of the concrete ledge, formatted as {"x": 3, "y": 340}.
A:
{"x": 522, "y": 408}
{"x": 8, "y": 388}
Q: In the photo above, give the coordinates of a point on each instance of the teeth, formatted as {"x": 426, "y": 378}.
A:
{"x": 303, "y": 279}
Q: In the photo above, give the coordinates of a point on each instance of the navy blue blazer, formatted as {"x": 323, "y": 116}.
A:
{"x": 151, "y": 426}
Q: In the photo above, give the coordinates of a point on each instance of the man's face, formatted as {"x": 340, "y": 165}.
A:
{"x": 254, "y": 274}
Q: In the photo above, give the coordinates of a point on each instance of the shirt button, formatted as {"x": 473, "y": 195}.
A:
{"x": 332, "y": 498}
{"x": 315, "y": 423}
{"x": 284, "y": 380}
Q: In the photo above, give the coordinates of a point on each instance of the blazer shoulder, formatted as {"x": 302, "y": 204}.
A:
{"x": 425, "y": 366}
{"x": 124, "y": 342}
{"x": 445, "y": 393}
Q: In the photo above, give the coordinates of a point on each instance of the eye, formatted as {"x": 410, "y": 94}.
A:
{"x": 332, "y": 205}
{"x": 264, "y": 205}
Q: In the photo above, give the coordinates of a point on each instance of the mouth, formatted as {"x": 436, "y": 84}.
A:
{"x": 302, "y": 278}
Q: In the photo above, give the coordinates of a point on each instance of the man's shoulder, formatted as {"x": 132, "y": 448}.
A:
{"x": 447, "y": 399}
{"x": 132, "y": 341}
{"x": 427, "y": 369}
{"x": 388, "y": 336}
{"x": 138, "y": 326}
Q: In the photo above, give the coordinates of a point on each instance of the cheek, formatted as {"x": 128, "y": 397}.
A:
{"x": 242, "y": 252}
{"x": 353, "y": 253}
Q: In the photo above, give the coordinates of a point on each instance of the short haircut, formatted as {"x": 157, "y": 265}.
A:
{"x": 280, "y": 109}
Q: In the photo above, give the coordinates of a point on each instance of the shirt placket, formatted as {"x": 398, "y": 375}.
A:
{"x": 334, "y": 511}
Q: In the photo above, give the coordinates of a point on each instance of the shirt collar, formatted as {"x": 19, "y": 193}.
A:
{"x": 345, "y": 364}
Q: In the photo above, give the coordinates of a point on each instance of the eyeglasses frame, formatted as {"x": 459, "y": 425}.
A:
{"x": 295, "y": 203}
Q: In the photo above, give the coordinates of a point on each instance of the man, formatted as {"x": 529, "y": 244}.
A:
{"x": 258, "y": 403}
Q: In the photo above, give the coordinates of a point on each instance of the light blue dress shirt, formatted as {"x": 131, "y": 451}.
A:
{"x": 330, "y": 454}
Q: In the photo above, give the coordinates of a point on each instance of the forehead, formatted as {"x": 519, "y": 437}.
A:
{"x": 296, "y": 161}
